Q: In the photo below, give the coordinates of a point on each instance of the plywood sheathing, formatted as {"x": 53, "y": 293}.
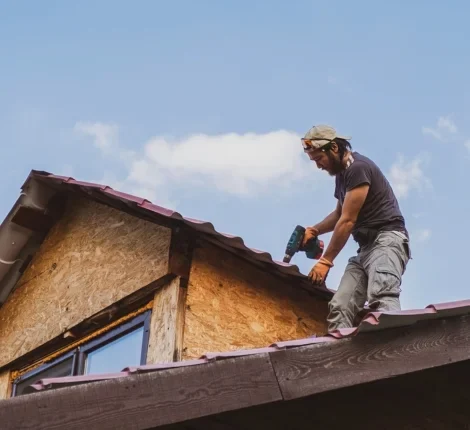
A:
{"x": 5, "y": 385}
{"x": 94, "y": 256}
{"x": 232, "y": 304}
{"x": 165, "y": 337}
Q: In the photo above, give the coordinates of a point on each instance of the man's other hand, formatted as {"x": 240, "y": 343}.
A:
{"x": 310, "y": 233}
{"x": 319, "y": 272}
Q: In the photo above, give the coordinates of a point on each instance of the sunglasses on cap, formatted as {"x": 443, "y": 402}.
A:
{"x": 309, "y": 146}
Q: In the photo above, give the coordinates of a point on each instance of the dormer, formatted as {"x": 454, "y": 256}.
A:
{"x": 93, "y": 280}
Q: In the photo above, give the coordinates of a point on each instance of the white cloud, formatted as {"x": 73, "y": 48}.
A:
{"x": 445, "y": 127}
{"x": 240, "y": 164}
{"x": 421, "y": 235}
{"x": 105, "y": 136}
{"x": 408, "y": 175}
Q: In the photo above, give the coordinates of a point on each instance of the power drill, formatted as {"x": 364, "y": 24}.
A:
{"x": 313, "y": 248}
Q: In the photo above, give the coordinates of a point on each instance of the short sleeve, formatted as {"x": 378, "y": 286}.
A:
{"x": 358, "y": 173}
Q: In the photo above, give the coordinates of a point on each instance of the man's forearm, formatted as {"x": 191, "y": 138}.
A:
{"x": 328, "y": 224}
{"x": 340, "y": 236}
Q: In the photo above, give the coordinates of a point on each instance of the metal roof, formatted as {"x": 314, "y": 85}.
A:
{"x": 372, "y": 322}
{"x": 41, "y": 186}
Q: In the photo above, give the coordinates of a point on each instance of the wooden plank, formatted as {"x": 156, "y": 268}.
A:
{"x": 181, "y": 252}
{"x": 163, "y": 324}
{"x": 147, "y": 400}
{"x": 434, "y": 399}
{"x": 91, "y": 258}
{"x": 180, "y": 320}
{"x": 5, "y": 385}
{"x": 32, "y": 219}
{"x": 371, "y": 356}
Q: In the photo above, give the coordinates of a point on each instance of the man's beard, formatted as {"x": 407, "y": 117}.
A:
{"x": 336, "y": 164}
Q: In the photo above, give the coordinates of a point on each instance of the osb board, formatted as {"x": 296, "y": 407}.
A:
{"x": 93, "y": 256}
{"x": 162, "y": 336}
{"x": 5, "y": 385}
{"x": 232, "y": 304}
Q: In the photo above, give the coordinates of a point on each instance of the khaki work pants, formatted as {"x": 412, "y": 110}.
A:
{"x": 373, "y": 275}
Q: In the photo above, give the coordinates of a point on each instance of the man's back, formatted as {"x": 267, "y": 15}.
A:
{"x": 381, "y": 210}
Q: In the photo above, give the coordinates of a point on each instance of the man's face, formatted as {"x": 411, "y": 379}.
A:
{"x": 327, "y": 160}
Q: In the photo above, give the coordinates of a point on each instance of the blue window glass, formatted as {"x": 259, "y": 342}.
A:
{"x": 116, "y": 355}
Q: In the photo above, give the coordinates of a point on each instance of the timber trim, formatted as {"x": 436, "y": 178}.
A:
{"x": 371, "y": 356}
{"x": 184, "y": 393}
{"x": 160, "y": 398}
{"x": 181, "y": 253}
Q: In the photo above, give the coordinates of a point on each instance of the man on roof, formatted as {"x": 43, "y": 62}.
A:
{"x": 368, "y": 210}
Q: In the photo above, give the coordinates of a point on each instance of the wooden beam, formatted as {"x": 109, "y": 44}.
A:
{"x": 180, "y": 319}
{"x": 162, "y": 336}
{"x": 5, "y": 384}
{"x": 167, "y": 323}
{"x": 32, "y": 219}
{"x": 181, "y": 253}
{"x": 371, "y": 356}
{"x": 148, "y": 400}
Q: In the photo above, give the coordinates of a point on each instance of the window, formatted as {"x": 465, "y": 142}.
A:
{"x": 121, "y": 347}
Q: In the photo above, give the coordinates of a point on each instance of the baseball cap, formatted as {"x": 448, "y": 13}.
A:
{"x": 319, "y": 136}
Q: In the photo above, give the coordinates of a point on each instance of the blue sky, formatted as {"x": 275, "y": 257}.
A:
{"x": 199, "y": 106}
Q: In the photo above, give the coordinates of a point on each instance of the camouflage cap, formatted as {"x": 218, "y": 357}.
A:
{"x": 320, "y": 135}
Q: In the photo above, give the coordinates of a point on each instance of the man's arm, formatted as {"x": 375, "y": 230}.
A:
{"x": 325, "y": 226}
{"x": 329, "y": 223}
{"x": 353, "y": 202}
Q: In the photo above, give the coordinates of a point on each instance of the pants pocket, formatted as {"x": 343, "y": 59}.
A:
{"x": 386, "y": 283}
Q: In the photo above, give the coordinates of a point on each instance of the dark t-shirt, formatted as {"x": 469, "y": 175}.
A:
{"x": 380, "y": 210}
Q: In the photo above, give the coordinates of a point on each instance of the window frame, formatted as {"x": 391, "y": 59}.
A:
{"x": 45, "y": 367}
{"x": 79, "y": 353}
{"x": 121, "y": 330}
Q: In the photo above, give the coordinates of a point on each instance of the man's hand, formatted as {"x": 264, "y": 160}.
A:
{"x": 319, "y": 272}
{"x": 310, "y": 233}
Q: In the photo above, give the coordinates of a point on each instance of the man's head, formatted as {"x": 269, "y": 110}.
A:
{"x": 326, "y": 148}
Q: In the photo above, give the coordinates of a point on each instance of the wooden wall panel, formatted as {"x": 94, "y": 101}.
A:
{"x": 232, "y": 304}
{"x": 5, "y": 385}
{"x": 165, "y": 337}
{"x": 93, "y": 256}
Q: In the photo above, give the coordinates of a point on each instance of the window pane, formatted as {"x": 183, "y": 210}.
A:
{"x": 116, "y": 355}
{"x": 63, "y": 368}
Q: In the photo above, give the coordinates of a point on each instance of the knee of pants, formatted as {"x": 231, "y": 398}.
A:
{"x": 343, "y": 303}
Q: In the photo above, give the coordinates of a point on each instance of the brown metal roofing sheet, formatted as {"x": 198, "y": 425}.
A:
{"x": 66, "y": 381}
{"x": 372, "y": 322}
{"x": 163, "y": 366}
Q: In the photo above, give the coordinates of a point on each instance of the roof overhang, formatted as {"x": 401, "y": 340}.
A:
{"x": 157, "y": 395}
{"x": 22, "y": 232}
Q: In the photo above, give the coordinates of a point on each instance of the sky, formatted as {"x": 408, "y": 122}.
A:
{"x": 200, "y": 106}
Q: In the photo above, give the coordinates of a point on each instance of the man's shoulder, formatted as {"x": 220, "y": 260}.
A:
{"x": 363, "y": 162}
{"x": 360, "y": 158}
